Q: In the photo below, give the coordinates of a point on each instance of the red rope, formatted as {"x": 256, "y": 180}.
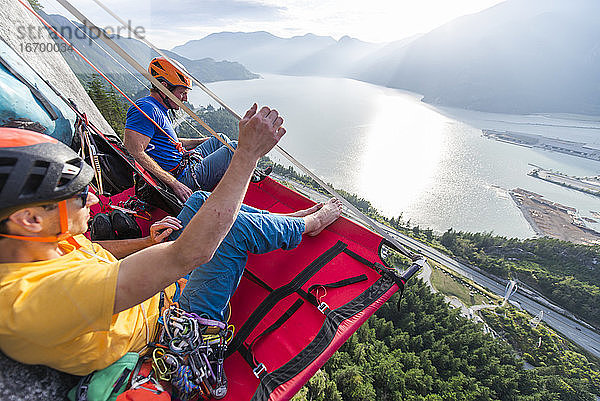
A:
{"x": 177, "y": 144}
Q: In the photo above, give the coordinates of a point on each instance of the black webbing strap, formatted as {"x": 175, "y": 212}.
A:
{"x": 323, "y": 307}
{"x": 270, "y": 381}
{"x": 384, "y": 271}
{"x": 308, "y": 296}
{"x": 249, "y": 358}
{"x": 247, "y": 351}
{"x": 257, "y": 280}
{"x": 376, "y": 266}
{"x": 280, "y": 293}
{"x": 341, "y": 283}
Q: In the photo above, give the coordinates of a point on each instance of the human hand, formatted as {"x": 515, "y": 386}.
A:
{"x": 161, "y": 229}
{"x": 260, "y": 131}
{"x": 181, "y": 190}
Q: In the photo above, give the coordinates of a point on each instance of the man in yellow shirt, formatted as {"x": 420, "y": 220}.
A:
{"x": 77, "y": 306}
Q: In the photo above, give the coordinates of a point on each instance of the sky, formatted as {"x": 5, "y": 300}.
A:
{"x": 168, "y": 23}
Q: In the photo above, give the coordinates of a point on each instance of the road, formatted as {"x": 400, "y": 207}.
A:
{"x": 554, "y": 315}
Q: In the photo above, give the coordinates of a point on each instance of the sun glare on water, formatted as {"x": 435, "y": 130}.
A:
{"x": 403, "y": 150}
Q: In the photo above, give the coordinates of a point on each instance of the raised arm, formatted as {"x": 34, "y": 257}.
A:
{"x": 147, "y": 272}
{"x": 136, "y": 144}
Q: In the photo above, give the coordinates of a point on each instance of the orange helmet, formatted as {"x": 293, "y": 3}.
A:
{"x": 170, "y": 72}
{"x": 37, "y": 169}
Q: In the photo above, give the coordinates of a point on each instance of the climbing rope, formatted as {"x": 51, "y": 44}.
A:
{"x": 110, "y": 42}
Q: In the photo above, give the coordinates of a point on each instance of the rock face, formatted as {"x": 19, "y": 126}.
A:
{"x": 20, "y": 382}
{"x": 26, "y": 35}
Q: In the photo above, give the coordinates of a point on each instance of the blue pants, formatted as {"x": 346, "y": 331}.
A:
{"x": 208, "y": 171}
{"x": 211, "y": 285}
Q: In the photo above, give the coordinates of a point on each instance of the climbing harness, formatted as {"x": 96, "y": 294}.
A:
{"x": 293, "y": 310}
{"x": 188, "y": 161}
{"x": 113, "y": 45}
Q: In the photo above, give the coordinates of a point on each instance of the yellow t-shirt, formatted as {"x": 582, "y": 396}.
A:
{"x": 59, "y": 312}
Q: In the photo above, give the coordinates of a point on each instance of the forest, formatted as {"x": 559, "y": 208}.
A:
{"x": 428, "y": 351}
{"x": 112, "y": 105}
{"x": 564, "y": 272}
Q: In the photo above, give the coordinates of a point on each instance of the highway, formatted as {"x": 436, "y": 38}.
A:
{"x": 554, "y": 316}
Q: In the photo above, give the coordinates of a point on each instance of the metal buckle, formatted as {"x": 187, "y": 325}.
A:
{"x": 138, "y": 380}
{"x": 323, "y": 307}
{"x": 259, "y": 370}
{"x": 82, "y": 393}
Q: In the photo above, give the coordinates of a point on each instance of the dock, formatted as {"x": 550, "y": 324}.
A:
{"x": 589, "y": 185}
{"x": 578, "y": 149}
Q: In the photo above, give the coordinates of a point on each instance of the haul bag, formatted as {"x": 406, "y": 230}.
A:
{"x": 105, "y": 384}
{"x": 293, "y": 309}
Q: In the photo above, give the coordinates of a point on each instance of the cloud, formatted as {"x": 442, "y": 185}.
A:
{"x": 208, "y": 12}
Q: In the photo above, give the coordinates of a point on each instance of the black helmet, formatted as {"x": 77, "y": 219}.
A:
{"x": 37, "y": 169}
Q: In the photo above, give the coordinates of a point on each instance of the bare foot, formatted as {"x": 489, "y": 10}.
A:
{"x": 317, "y": 221}
{"x": 305, "y": 212}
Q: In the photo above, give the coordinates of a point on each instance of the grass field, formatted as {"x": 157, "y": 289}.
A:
{"x": 448, "y": 285}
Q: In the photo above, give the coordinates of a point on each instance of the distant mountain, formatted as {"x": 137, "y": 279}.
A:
{"x": 264, "y": 52}
{"x": 205, "y": 69}
{"x": 521, "y": 56}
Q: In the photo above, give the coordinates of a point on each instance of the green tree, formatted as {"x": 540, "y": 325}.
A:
{"x": 35, "y": 4}
{"x": 110, "y": 105}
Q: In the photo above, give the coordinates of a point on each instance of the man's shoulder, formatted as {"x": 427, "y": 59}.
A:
{"x": 86, "y": 246}
{"x": 148, "y": 104}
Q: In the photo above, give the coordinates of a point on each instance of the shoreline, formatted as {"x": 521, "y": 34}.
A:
{"x": 538, "y": 231}
{"x": 552, "y": 219}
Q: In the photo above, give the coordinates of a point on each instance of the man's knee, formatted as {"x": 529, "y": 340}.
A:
{"x": 195, "y": 201}
{"x": 231, "y": 142}
{"x": 190, "y": 208}
{"x": 197, "y": 198}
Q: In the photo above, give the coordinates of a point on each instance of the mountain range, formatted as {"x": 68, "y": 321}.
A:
{"x": 520, "y": 56}
{"x": 204, "y": 69}
{"x": 264, "y": 52}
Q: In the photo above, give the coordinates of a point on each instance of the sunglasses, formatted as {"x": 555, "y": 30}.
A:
{"x": 83, "y": 195}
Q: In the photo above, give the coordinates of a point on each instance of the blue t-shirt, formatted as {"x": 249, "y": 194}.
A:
{"x": 160, "y": 148}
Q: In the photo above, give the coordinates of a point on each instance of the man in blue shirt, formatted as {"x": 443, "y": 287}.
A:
{"x": 186, "y": 165}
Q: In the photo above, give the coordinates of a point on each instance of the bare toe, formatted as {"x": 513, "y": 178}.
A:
{"x": 327, "y": 214}
{"x": 306, "y": 212}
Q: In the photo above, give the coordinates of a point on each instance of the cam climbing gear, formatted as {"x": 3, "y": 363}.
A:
{"x": 190, "y": 352}
{"x": 188, "y": 160}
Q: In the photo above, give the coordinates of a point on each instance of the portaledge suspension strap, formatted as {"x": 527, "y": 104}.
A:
{"x": 85, "y": 21}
